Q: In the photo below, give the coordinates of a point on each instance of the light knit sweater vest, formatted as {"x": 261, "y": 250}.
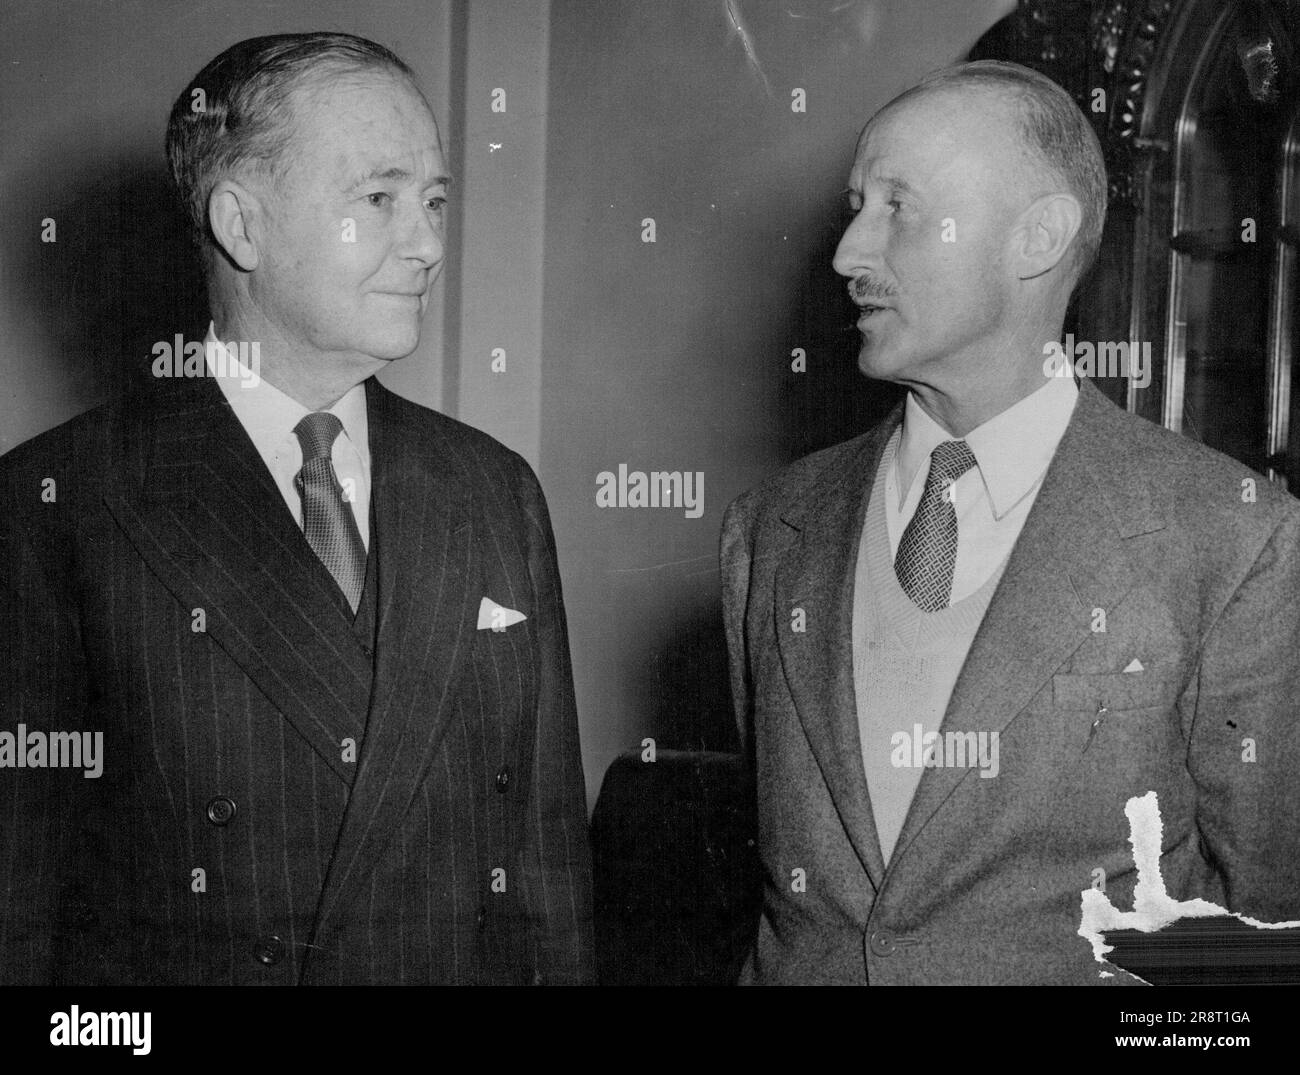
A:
{"x": 905, "y": 664}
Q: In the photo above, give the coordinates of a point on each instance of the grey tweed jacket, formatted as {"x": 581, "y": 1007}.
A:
{"x": 1198, "y": 581}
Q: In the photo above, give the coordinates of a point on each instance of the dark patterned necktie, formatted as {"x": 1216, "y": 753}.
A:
{"x": 927, "y": 555}
{"x": 327, "y": 517}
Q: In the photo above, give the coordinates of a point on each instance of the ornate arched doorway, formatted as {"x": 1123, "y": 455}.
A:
{"x": 1197, "y": 103}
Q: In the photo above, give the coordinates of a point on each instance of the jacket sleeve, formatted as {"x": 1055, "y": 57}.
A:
{"x": 735, "y": 558}
{"x": 556, "y": 849}
{"x": 1244, "y": 751}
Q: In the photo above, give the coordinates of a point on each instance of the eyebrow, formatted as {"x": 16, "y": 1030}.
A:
{"x": 893, "y": 182}
{"x": 396, "y": 174}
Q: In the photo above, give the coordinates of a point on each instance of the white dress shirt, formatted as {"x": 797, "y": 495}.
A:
{"x": 269, "y": 417}
{"x": 1012, "y": 451}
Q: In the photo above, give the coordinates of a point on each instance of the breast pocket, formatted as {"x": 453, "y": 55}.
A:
{"x": 1114, "y": 692}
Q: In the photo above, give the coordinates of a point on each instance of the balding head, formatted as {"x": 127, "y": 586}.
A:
{"x": 978, "y": 199}
{"x": 1060, "y": 149}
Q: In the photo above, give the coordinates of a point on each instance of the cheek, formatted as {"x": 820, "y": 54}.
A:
{"x": 302, "y": 250}
{"x": 338, "y": 258}
{"x": 366, "y": 256}
{"x": 924, "y": 246}
{"x": 933, "y": 275}
{"x": 960, "y": 270}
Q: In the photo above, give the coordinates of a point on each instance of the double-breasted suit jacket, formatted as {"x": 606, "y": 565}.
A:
{"x": 285, "y": 798}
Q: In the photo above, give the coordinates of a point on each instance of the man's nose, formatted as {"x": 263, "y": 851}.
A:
{"x": 423, "y": 238}
{"x": 860, "y": 245}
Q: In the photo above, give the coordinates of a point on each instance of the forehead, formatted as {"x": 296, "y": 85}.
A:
{"x": 941, "y": 134}
{"x": 347, "y": 120}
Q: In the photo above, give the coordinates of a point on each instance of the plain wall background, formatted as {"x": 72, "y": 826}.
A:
{"x": 666, "y": 356}
{"x": 676, "y": 355}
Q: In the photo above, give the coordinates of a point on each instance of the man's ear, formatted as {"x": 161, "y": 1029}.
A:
{"x": 1044, "y": 232}
{"x": 232, "y": 215}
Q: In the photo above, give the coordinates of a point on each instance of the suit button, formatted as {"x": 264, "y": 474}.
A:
{"x": 482, "y": 917}
{"x": 882, "y": 943}
{"x": 221, "y": 810}
{"x": 268, "y": 950}
{"x": 503, "y": 779}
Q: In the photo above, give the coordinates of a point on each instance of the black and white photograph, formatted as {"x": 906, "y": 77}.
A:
{"x": 650, "y": 493}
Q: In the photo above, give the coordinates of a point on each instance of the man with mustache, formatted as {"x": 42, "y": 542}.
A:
{"x": 961, "y": 643}
{"x": 319, "y": 628}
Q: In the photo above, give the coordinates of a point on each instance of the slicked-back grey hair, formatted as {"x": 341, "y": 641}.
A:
{"x": 1053, "y": 130}
{"x": 243, "y": 115}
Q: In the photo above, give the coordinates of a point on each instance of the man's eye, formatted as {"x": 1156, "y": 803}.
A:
{"x": 436, "y": 203}
{"x": 379, "y": 198}
{"x": 894, "y": 204}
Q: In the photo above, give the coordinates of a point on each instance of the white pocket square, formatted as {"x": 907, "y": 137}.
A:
{"x": 1134, "y": 666}
{"x": 494, "y": 617}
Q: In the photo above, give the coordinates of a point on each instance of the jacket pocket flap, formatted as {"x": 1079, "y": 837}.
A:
{"x": 1116, "y": 690}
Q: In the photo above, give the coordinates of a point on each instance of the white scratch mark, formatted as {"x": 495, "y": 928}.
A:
{"x": 712, "y": 557}
{"x": 493, "y": 146}
{"x": 747, "y": 43}
{"x": 1153, "y": 907}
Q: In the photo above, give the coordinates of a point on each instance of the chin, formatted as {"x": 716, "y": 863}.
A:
{"x": 874, "y": 362}
{"x": 391, "y": 346}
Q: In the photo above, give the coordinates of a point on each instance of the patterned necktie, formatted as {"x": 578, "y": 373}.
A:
{"x": 927, "y": 554}
{"x": 327, "y": 517}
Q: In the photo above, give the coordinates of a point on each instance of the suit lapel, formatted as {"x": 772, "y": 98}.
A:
{"x": 428, "y": 610}
{"x": 1069, "y": 560}
{"x": 211, "y": 524}
{"x": 816, "y": 574}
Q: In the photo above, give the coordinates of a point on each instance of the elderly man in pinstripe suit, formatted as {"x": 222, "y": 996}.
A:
{"x": 319, "y": 627}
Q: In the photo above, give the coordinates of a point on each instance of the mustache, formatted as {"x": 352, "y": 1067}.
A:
{"x": 868, "y": 287}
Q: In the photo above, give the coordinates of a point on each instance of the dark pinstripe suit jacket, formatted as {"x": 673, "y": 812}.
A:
{"x": 453, "y": 849}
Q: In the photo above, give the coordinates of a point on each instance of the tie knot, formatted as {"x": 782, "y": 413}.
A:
{"x": 317, "y": 433}
{"x": 949, "y": 461}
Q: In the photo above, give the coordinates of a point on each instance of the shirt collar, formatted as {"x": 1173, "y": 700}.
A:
{"x": 1012, "y": 449}
{"x": 268, "y": 414}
